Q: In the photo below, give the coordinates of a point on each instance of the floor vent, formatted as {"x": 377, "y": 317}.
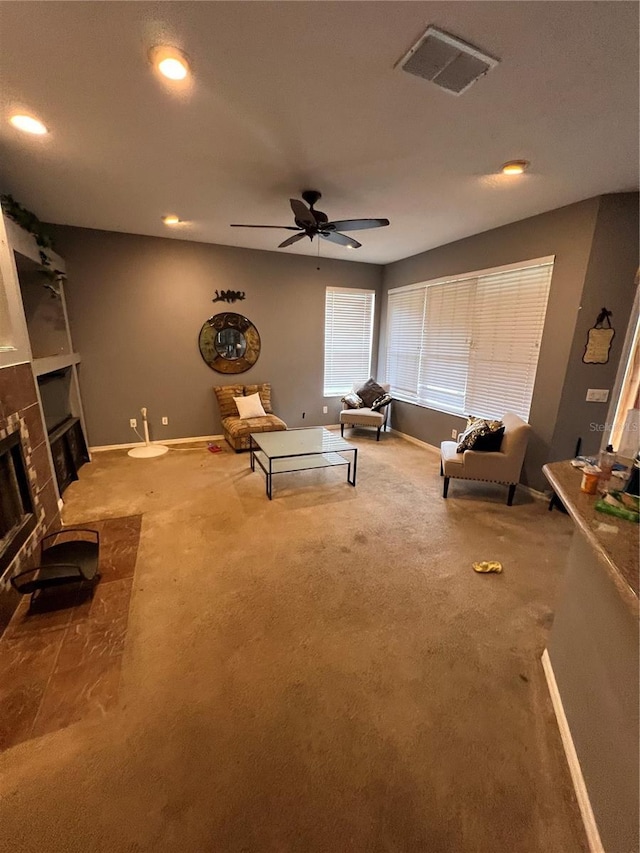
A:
{"x": 447, "y": 61}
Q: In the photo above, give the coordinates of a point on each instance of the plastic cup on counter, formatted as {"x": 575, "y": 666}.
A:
{"x": 590, "y": 479}
{"x": 605, "y": 463}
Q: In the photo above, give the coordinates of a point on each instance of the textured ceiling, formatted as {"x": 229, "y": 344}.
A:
{"x": 291, "y": 95}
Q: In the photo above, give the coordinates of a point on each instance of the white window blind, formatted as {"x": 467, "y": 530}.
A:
{"x": 348, "y": 335}
{"x": 508, "y": 320}
{"x": 406, "y": 323}
{"x": 445, "y": 351}
{"x": 469, "y": 346}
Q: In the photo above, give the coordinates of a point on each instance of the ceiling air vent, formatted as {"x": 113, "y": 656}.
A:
{"x": 446, "y": 61}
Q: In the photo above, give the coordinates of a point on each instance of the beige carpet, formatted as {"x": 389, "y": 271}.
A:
{"x": 322, "y": 672}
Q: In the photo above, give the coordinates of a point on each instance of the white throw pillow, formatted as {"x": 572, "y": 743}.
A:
{"x": 250, "y": 407}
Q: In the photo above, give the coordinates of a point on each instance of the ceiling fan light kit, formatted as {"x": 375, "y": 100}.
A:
{"x": 311, "y": 223}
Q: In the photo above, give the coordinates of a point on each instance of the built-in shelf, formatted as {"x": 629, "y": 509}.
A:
{"x": 69, "y": 451}
{"x": 41, "y": 366}
{"x": 42, "y": 313}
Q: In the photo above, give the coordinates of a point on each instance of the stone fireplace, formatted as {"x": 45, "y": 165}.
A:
{"x": 17, "y": 518}
{"x": 28, "y": 502}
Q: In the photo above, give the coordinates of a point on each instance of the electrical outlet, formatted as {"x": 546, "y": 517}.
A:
{"x": 325, "y": 410}
{"x": 133, "y": 423}
{"x": 165, "y": 421}
{"x": 454, "y": 433}
{"x": 597, "y": 395}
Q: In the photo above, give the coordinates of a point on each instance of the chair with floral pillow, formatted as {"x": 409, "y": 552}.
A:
{"x": 366, "y": 405}
{"x": 502, "y": 465}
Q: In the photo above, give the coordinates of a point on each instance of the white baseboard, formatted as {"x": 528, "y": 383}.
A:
{"x": 535, "y": 493}
{"x": 588, "y": 818}
{"x": 161, "y": 441}
{"x": 416, "y": 441}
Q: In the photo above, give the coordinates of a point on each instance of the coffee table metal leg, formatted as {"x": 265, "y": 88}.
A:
{"x": 269, "y": 480}
{"x": 251, "y": 455}
{"x": 352, "y": 482}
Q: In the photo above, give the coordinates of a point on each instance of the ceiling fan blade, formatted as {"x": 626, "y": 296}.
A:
{"x": 302, "y": 213}
{"x": 286, "y": 227}
{"x": 290, "y": 240}
{"x": 342, "y": 239}
{"x": 357, "y": 224}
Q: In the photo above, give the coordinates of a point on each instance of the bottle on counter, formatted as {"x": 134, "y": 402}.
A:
{"x": 606, "y": 462}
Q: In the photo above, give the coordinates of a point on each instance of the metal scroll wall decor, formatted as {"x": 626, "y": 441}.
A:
{"x": 229, "y": 296}
{"x": 229, "y": 343}
{"x": 599, "y": 339}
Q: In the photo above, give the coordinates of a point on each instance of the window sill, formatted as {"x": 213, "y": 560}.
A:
{"x": 420, "y": 405}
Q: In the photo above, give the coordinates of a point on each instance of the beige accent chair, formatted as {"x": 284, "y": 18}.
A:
{"x": 366, "y": 417}
{"x": 503, "y": 466}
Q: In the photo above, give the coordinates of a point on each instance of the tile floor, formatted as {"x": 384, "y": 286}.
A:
{"x": 60, "y": 661}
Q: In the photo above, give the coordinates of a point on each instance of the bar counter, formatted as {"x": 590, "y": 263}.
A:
{"x": 615, "y": 540}
{"x": 591, "y": 665}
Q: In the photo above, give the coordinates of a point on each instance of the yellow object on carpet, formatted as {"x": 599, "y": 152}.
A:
{"x": 488, "y": 566}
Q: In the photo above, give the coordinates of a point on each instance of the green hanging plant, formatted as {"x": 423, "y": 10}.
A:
{"x": 30, "y": 222}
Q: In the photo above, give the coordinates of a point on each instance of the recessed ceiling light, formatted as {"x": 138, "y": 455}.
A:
{"x": 28, "y": 124}
{"x": 515, "y": 167}
{"x": 174, "y": 69}
{"x": 170, "y": 62}
{"x": 171, "y": 219}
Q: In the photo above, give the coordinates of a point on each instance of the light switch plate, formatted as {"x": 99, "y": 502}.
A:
{"x": 597, "y": 395}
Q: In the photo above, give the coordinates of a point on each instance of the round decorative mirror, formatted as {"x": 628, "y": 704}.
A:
{"x": 229, "y": 343}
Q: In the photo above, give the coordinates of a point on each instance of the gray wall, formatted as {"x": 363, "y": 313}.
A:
{"x": 136, "y": 305}
{"x": 568, "y": 233}
{"x": 609, "y": 282}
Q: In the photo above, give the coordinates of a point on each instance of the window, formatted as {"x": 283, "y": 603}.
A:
{"x": 348, "y": 335}
{"x": 625, "y": 430}
{"x": 469, "y": 345}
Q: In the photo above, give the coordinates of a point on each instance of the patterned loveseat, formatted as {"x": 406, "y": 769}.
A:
{"x": 236, "y": 429}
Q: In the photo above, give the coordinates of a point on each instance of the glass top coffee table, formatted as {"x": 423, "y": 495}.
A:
{"x": 300, "y": 450}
